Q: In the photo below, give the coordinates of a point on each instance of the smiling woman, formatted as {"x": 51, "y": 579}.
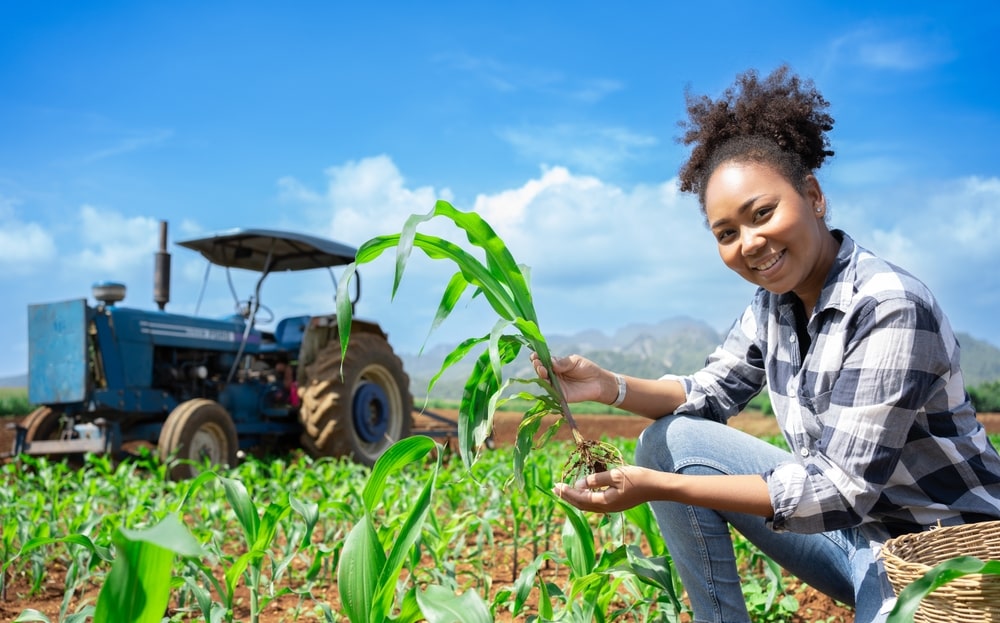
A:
{"x": 860, "y": 363}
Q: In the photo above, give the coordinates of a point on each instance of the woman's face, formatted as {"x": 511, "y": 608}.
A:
{"x": 768, "y": 232}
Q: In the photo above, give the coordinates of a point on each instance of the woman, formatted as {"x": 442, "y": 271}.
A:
{"x": 861, "y": 365}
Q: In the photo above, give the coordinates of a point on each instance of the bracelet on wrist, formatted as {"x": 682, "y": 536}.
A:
{"x": 621, "y": 390}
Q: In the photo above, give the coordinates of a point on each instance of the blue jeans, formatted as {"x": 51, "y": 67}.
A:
{"x": 840, "y": 564}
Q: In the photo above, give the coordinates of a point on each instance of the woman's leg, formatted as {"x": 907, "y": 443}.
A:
{"x": 699, "y": 539}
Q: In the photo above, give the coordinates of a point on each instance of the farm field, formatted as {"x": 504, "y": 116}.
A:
{"x": 510, "y": 547}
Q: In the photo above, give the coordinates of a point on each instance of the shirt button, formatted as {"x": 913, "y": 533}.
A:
{"x": 804, "y": 452}
{"x": 791, "y": 338}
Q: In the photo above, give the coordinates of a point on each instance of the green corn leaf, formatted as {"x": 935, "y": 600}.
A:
{"x": 309, "y": 511}
{"x": 524, "y": 582}
{"x": 409, "y": 609}
{"x": 480, "y": 234}
{"x": 442, "y": 605}
{"x": 471, "y": 269}
{"x": 496, "y": 336}
{"x": 33, "y": 616}
{"x": 525, "y": 440}
{"x": 361, "y": 564}
{"x": 455, "y": 356}
{"x": 193, "y": 486}
{"x": 137, "y": 588}
{"x": 243, "y": 506}
{"x": 366, "y": 576}
{"x": 545, "y": 602}
{"x": 475, "y": 415}
{"x": 82, "y": 540}
{"x": 398, "y": 455}
{"x": 578, "y": 540}
{"x": 345, "y": 309}
{"x": 406, "y": 538}
{"x": 268, "y": 526}
{"x": 910, "y": 597}
{"x": 437, "y": 248}
{"x": 452, "y": 294}
{"x": 201, "y": 595}
{"x": 642, "y": 517}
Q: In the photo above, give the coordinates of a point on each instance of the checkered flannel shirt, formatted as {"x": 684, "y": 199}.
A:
{"x": 870, "y": 397}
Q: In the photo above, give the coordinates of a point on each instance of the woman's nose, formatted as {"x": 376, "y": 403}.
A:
{"x": 750, "y": 240}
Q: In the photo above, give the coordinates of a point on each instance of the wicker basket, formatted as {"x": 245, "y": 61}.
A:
{"x": 972, "y": 598}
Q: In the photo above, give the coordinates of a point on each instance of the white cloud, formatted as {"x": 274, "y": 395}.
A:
{"x": 600, "y": 255}
{"x": 111, "y": 242}
{"x": 24, "y": 246}
{"x": 133, "y": 142}
{"x": 509, "y": 78}
{"x": 590, "y": 148}
{"x": 879, "y": 47}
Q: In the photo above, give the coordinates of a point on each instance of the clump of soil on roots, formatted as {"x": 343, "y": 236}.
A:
{"x": 590, "y": 457}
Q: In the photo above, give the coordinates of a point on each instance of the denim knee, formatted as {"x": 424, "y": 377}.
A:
{"x": 653, "y": 449}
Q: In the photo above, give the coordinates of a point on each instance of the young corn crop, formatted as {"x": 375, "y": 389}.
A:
{"x": 274, "y": 540}
{"x": 503, "y": 283}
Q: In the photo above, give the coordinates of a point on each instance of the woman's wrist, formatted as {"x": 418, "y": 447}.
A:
{"x": 620, "y": 389}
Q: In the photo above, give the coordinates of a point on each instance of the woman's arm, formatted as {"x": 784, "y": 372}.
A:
{"x": 628, "y": 486}
{"x": 581, "y": 379}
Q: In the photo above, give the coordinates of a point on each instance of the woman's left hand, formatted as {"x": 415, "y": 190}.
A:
{"x": 608, "y": 492}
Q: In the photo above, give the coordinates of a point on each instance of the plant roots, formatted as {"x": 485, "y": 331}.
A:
{"x": 590, "y": 457}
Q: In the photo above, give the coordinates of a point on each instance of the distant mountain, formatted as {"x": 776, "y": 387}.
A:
{"x": 676, "y": 346}
{"x": 980, "y": 360}
{"x": 21, "y": 380}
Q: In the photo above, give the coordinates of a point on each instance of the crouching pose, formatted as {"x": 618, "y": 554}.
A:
{"x": 860, "y": 363}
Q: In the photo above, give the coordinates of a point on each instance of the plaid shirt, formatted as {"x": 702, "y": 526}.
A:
{"x": 870, "y": 397}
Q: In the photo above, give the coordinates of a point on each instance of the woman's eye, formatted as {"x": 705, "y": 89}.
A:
{"x": 763, "y": 213}
{"x": 724, "y": 235}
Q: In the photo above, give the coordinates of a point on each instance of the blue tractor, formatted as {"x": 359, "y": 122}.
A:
{"x": 107, "y": 377}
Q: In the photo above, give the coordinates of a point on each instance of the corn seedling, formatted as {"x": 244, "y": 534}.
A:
{"x": 504, "y": 285}
{"x": 910, "y": 597}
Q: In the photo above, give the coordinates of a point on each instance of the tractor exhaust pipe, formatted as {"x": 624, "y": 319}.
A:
{"x": 161, "y": 271}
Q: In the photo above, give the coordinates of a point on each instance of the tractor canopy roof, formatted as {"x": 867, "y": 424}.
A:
{"x": 269, "y": 250}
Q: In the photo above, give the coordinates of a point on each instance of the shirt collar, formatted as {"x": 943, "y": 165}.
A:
{"x": 838, "y": 290}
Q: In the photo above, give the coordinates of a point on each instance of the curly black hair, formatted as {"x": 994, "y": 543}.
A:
{"x": 780, "y": 121}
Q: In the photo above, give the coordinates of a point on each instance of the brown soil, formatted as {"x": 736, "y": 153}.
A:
{"x": 813, "y": 606}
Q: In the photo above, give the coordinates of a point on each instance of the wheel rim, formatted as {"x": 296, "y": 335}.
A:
{"x": 388, "y": 416}
{"x": 209, "y": 442}
{"x": 371, "y": 412}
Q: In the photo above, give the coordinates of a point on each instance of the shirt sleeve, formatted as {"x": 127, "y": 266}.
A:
{"x": 894, "y": 360}
{"x": 732, "y": 375}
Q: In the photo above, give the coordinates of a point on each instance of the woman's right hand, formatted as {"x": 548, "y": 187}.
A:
{"x": 580, "y": 378}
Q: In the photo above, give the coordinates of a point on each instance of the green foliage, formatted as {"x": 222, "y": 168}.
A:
{"x": 14, "y": 401}
{"x": 138, "y": 586}
{"x": 986, "y": 397}
{"x": 761, "y": 402}
{"x": 503, "y": 283}
{"x": 910, "y": 597}
{"x": 614, "y": 567}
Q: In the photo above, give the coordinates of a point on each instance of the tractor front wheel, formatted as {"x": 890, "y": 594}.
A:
{"x": 361, "y": 413}
{"x": 196, "y": 431}
{"x": 43, "y": 424}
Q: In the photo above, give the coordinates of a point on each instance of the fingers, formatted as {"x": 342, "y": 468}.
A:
{"x": 586, "y": 499}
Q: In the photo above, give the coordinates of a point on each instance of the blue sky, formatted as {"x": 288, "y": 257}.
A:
{"x": 555, "y": 120}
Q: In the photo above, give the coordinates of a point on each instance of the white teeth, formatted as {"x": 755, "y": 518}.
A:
{"x": 769, "y": 264}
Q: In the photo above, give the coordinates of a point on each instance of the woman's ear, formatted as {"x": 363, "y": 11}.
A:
{"x": 814, "y": 196}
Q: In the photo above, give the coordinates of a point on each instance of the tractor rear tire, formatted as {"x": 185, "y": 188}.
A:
{"x": 197, "y": 430}
{"x": 362, "y": 413}
{"x": 43, "y": 424}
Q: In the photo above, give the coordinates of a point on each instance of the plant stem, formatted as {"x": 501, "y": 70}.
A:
{"x": 564, "y": 406}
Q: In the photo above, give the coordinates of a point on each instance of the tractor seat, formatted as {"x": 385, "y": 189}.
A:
{"x": 289, "y": 331}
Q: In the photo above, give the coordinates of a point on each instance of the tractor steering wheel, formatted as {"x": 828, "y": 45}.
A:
{"x": 243, "y": 308}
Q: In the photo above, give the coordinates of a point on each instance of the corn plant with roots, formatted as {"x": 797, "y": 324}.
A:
{"x": 504, "y": 284}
